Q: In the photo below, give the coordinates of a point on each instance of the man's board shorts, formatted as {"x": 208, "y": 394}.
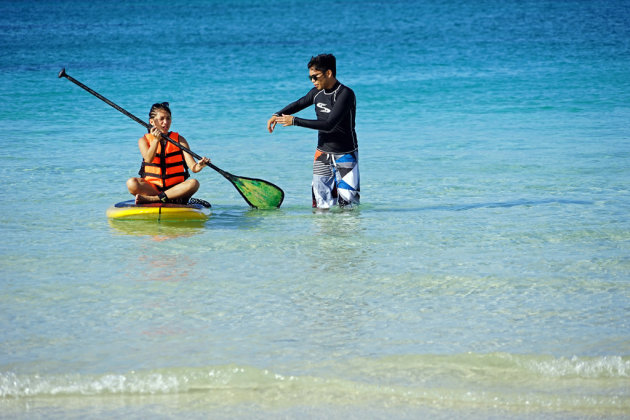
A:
{"x": 335, "y": 179}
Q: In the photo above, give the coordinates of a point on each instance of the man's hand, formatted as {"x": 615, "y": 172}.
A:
{"x": 271, "y": 124}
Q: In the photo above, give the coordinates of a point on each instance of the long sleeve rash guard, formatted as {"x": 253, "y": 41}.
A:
{"x": 335, "y": 110}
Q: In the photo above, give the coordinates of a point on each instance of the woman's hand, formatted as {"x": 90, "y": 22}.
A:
{"x": 201, "y": 164}
{"x": 156, "y": 132}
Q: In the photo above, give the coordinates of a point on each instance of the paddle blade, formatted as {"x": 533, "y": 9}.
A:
{"x": 258, "y": 193}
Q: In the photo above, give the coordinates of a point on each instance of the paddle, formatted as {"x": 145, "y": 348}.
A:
{"x": 258, "y": 193}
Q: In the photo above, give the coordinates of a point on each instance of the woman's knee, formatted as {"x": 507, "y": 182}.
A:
{"x": 194, "y": 185}
{"x": 133, "y": 185}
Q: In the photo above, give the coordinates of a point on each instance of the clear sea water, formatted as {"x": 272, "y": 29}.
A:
{"x": 485, "y": 275}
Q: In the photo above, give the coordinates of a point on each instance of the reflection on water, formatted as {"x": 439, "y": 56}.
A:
{"x": 158, "y": 231}
{"x": 338, "y": 237}
{"x": 155, "y": 265}
{"x": 479, "y": 205}
{"x": 238, "y": 217}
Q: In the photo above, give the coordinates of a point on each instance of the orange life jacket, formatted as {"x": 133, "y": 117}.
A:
{"x": 168, "y": 167}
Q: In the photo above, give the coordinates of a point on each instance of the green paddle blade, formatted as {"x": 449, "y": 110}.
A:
{"x": 258, "y": 193}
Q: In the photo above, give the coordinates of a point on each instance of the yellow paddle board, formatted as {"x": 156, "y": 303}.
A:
{"x": 129, "y": 210}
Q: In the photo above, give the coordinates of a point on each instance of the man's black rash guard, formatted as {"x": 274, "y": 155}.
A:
{"x": 335, "y": 110}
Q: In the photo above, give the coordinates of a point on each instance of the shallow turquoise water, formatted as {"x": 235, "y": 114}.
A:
{"x": 485, "y": 274}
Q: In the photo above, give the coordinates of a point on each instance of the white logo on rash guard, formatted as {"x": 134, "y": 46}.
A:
{"x": 322, "y": 107}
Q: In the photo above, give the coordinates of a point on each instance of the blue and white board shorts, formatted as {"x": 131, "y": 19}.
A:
{"x": 335, "y": 179}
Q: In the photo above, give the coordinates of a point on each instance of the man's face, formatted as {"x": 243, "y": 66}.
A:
{"x": 321, "y": 80}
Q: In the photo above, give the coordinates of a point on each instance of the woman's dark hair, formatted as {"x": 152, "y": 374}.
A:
{"x": 157, "y": 107}
{"x": 324, "y": 62}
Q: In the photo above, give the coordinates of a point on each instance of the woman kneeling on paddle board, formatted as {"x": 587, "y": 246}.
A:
{"x": 164, "y": 175}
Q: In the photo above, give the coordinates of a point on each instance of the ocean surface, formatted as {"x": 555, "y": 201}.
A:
{"x": 486, "y": 274}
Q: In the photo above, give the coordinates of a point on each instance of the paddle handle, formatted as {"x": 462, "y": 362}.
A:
{"x": 63, "y": 73}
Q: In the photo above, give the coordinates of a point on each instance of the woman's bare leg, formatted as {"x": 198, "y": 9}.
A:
{"x": 183, "y": 190}
{"x": 140, "y": 186}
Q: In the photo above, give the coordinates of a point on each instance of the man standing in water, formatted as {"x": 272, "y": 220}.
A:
{"x": 336, "y": 163}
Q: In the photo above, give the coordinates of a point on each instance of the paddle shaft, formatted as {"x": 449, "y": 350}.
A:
{"x": 63, "y": 73}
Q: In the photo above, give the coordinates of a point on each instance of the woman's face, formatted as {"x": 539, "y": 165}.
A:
{"x": 161, "y": 120}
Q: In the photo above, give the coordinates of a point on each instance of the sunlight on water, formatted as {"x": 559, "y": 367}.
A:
{"x": 485, "y": 274}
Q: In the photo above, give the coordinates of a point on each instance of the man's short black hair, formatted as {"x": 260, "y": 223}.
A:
{"x": 324, "y": 62}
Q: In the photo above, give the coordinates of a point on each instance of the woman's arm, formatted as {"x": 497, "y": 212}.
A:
{"x": 149, "y": 151}
{"x": 190, "y": 161}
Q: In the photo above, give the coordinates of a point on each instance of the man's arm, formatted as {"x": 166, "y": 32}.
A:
{"x": 302, "y": 103}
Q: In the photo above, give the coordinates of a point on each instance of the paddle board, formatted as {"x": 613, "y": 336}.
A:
{"x": 129, "y": 210}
